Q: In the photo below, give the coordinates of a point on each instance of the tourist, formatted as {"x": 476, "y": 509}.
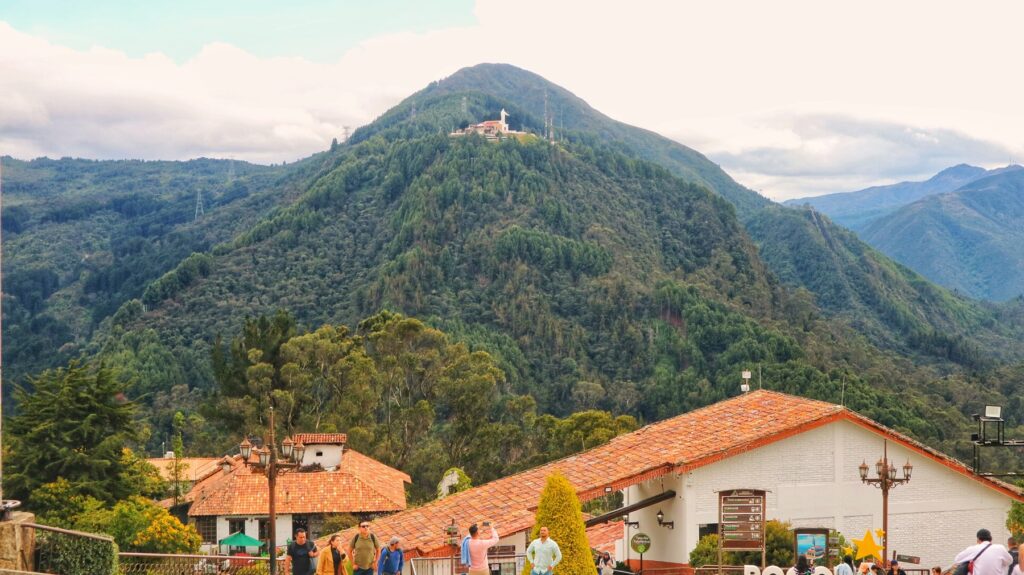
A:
{"x": 803, "y": 566}
{"x": 1018, "y": 569}
{"x": 300, "y": 554}
{"x": 876, "y": 570}
{"x": 846, "y": 567}
{"x": 364, "y": 550}
{"x": 936, "y": 570}
{"x": 1011, "y": 548}
{"x": 864, "y": 568}
{"x": 606, "y": 565}
{"x": 476, "y": 548}
{"x": 894, "y": 568}
{"x": 989, "y": 558}
{"x": 332, "y": 563}
{"x": 391, "y": 558}
{"x": 543, "y": 554}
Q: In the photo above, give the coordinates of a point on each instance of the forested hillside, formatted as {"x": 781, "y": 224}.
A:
{"x": 611, "y": 269}
{"x": 969, "y": 240}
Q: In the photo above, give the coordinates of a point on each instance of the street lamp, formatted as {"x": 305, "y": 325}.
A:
{"x": 663, "y": 523}
{"x": 268, "y": 464}
{"x": 885, "y": 471}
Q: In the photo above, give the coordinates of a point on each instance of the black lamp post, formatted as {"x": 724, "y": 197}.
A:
{"x": 268, "y": 463}
{"x": 885, "y": 471}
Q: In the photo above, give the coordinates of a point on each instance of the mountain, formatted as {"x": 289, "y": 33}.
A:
{"x": 856, "y": 210}
{"x": 611, "y": 268}
{"x": 968, "y": 240}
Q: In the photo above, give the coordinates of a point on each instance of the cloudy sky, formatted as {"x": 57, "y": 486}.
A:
{"x": 793, "y": 98}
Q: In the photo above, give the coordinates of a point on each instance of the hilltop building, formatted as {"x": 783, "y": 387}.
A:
{"x": 804, "y": 453}
{"x": 491, "y": 129}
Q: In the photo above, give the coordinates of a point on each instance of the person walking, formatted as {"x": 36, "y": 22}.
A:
{"x": 864, "y": 568}
{"x": 1012, "y": 549}
{"x": 846, "y": 567}
{"x": 802, "y": 567}
{"x": 894, "y": 568}
{"x": 392, "y": 559}
{"x": 477, "y": 547}
{"x": 936, "y": 570}
{"x": 606, "y": 565}
{"x": 333, "y": 558}
{"x": 988, "y": 558}
{"x": 300, "y": 554}
{"x": 543, "y": 554}
{"x": 1018, "y": 570}
{"x": 364, "y": 549}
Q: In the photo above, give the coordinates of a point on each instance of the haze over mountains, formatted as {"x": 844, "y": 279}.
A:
{"x": 960, "y": 229}
{"x": 612, "y": 268}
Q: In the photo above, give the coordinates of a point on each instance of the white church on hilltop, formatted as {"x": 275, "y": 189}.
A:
{"x": 491, "y": 129}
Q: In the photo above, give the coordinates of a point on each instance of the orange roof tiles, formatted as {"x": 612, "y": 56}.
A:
{"x": 321, "y": 438}
{"x": 360, "y": 485}
{"x": 197, "y": 467}
{"x": 679, "y": 444}
{"x": 602, "y": 537}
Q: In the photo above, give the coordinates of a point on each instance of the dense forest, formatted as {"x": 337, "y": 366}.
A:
{"x": 610, "y": 270}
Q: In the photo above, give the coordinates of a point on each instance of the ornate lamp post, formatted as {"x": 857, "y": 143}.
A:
{"x": 885, "y": 471}
{"x": 268, "y": 463}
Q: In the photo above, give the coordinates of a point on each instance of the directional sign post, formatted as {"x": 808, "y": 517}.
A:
{"x": 741, "y": 519}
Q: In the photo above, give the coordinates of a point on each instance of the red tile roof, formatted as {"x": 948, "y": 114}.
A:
{"x": 360, "y": 485}
{"x": 602, "y": 537}
{"x": 679, "y": 444}
{"x": 321, "y": 438}
{"x": 198, "y": 467}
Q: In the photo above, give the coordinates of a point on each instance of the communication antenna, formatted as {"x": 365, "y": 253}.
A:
{"x": 412, "y": 113}
{"x": 347, "y": 130}
{"x": 199, "y": 204}
{"x": 465, "y": 106}
{"x": 231, "y": 170}
{"x": 745, "y": 386}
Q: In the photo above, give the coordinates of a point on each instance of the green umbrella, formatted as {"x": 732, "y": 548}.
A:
{"x": 240, "y": 539}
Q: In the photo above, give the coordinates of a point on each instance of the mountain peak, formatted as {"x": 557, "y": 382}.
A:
{"x": 959, "y": 171}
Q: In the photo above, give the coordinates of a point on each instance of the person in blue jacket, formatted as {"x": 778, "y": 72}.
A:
{"x": 392, "y": 559}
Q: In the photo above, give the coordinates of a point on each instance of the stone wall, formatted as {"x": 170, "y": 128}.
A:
{"x": 17, "y": 543}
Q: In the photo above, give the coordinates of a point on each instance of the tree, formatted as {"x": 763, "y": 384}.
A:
{"x": 453, "y": 481}
{"x": 778, "y": 538}
{"x": 72, "y": 423}
{"x": 58, "y": 504}
{"x": 560, "y": 511}
{"x": 1015, "y": 518}
{"x": 138, "y": 524}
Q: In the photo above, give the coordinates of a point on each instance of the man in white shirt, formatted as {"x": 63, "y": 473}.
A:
{"x": 989, "y": 558}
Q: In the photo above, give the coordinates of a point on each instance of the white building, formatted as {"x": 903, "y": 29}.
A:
{"x": 804, "y": 453}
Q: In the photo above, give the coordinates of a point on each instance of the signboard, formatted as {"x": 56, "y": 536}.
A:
{"x": 641, "y": 543}
{"x": 741, "y": 518}
{"x": 908, "y": 559}
{"x": 813, "y": 544}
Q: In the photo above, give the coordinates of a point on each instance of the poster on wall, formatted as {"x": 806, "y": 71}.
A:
{"x": 813, "y": 544}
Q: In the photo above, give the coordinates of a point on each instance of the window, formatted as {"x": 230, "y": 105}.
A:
{"x": 264, "y": 529}
{"x": 707, "y": 529}
{"x": 236, "y": 525}
{"x": 207, "y": 528}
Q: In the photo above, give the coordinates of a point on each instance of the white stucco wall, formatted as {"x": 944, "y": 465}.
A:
{"x": 252, "y": 529}
{"x": 813, "y": 482}
{"x": 330, "y": 455}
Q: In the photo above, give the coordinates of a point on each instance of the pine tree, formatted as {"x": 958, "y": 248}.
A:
{"x": 561, "y": 513}
{"x": 73, "y": 424}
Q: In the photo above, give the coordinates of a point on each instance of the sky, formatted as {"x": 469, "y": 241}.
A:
{"x": 792, "y": 98}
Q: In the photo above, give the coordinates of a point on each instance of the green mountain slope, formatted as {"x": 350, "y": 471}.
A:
{"x": 968, "y": 240}
{"x": 82, "y": 237}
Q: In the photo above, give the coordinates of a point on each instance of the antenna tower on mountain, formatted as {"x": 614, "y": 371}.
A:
{"x": 199, "y": 204}
{"x": 465, "y": 106}
{"x": 231, "y": 170}
{"x": 347, "y": 129}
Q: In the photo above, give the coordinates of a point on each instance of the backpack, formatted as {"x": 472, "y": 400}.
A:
{"x": 373, "y": 538}
{"x": 967, "y": 567}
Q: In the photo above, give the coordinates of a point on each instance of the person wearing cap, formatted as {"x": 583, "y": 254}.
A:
{"x": 894, "y": 568}
{"x": 392, "y": 559}
{"x": 989, "y": 558}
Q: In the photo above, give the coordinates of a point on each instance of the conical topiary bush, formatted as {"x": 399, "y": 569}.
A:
{"x": 560, "y": 512}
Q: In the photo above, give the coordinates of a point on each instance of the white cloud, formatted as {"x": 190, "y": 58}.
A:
{"x": 792, "y": 98}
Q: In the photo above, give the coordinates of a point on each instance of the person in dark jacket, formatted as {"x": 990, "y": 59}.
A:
{"x": 392, "y": 559}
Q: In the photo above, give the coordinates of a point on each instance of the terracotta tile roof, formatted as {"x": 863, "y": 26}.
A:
{"x": 602, "y": 537}
{"x": 321, "y": 438}
{"x": 360, "y": 485}
{"x": 679, "y": 444}
{"x": 198, "y": 467}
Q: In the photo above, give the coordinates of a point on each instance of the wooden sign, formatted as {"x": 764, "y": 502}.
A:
{"x": 908, "y": 559}
{"x": 741, "y": 515}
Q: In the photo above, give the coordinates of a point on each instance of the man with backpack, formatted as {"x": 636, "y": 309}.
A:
{"x": 983, "y": 558}
{"x": 301, "y": 553}
{"x": 392, "y": 559}
{"x": 364, "y": 550}
{"x": 1014, "y": 551}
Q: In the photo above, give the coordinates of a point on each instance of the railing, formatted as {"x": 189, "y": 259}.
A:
{"x": 65, "y": 551}
{"x": 500, "y": 565}
{"x": 165, "y": 564}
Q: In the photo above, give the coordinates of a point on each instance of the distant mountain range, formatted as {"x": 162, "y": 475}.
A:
{"x": 970, "y": 240}
{"x": 856, "y": 210}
